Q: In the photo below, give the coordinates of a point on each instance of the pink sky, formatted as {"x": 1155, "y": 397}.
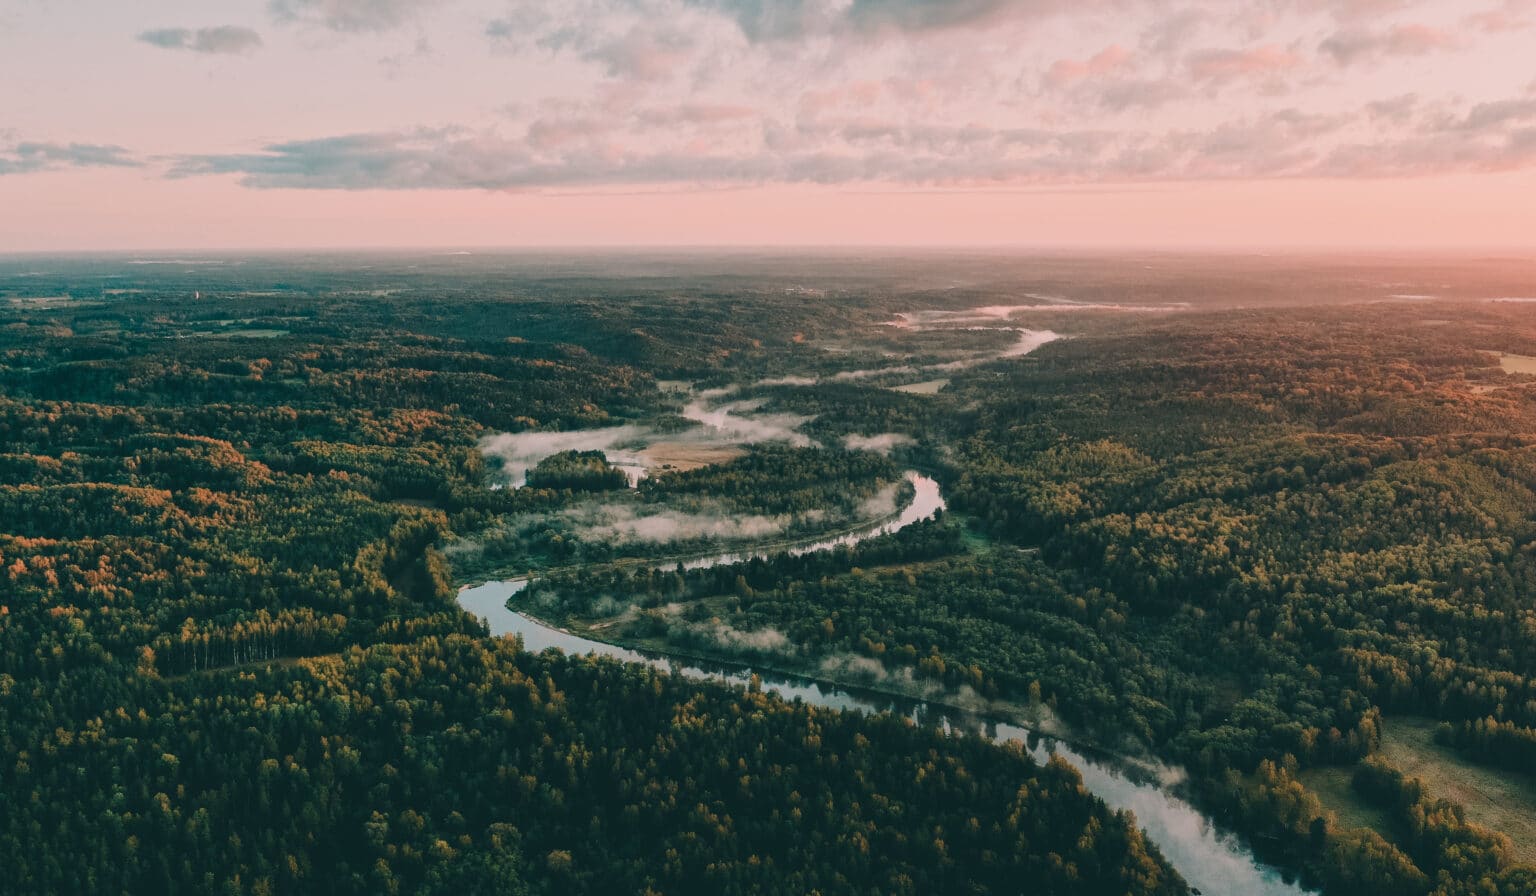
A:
{"x": 331, "y": 123}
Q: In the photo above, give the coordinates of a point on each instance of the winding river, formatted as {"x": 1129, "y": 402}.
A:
{"x": 1210, "y": 861}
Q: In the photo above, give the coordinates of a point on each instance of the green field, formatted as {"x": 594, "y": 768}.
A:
{"x": 1332, "y": 786}
{"x": 1501, "y": 801}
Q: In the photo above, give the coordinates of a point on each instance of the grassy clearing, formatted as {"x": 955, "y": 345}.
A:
{"x": 1332, "y": 786}
{"x": 1499, "y": 800}
{"x": 682, "y": 456}
{"x": 1517, "y": 363}
{"x": 1503, "y": 801}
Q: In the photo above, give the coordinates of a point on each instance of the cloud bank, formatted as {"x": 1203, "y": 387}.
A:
{"x": 225, "y": 39}
{"x": 679, "y": 95}
{"x": 28, "y": 158}
{"x": 350, "y": 16}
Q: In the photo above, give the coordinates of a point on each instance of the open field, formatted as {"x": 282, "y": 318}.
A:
{"x": 1501, "y": 801}
{"x": 1333, "y": 787}
{"x": 1517, "y": 363}
{"x": 682, "y": 456}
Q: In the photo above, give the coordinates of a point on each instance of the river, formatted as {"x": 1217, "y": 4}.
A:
{"x": 1212, "y": 862}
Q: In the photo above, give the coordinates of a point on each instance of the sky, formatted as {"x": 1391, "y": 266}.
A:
{"x": 1195, "y": 124}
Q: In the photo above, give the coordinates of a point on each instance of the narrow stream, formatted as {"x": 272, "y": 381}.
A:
{"x": 1210, "y": 861}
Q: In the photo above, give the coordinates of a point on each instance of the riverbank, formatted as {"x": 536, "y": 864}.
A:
{"x": 1039, "y": 719}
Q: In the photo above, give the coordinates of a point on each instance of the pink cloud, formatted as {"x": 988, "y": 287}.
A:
{"x": 1353, "y": 9}
{"x": 697, "y": 114}
{"x": 551, "y": 133}
{"x": 1107, "y": 60}
{"x": 644, "y": 54}
{"x": 1354, "y": 45}
{"x": 1507, "y": 17}
{"x": 857, "y": 93}
{"x": 1228, "y": 65}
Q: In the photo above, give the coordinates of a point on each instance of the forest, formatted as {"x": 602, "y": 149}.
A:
{"x": 1242, "y": 537}
{"x": 231, "y": 660}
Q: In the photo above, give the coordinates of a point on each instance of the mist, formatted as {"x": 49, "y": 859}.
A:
{"x": 724, "y": 425}
{"x": 623, "y": 523}
{"x": 881, "y": 444}
{"x": 521, "y": 451}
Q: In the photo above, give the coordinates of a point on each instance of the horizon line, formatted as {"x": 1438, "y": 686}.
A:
{"x": 453, "y": 249}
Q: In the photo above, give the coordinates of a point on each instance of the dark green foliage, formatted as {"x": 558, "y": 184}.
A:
{"x": 230, "y": 660}
{"x": 580, "y": 471}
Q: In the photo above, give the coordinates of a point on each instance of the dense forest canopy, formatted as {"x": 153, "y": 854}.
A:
{"x": 1243, "y": 517}
{"x": 232, "y": 661}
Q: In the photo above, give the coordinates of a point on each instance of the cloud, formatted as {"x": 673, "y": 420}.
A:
{"x": 645, "y": 41}
{"x": 1358, "y": 45}
{"x": 1346, "y": 10}
{"x": 773, "y": 20}
{"x": 396, "y": 63}
{"x": 1222, "y": 66}
{"x": 780, "y": 20}
{"x": 592, "y": 152}
{"x": 1118, "y": 94}
{"x": 513, "y": 29}
{"x": 1101, "y": 82}
{"x": 1175, "y": 30}
{"x": 1433, "y": 154}
{"x": 1109, "y": 59}
{"x": 1492, "y": 136}
{"x": 228, "y": 39}
{"x": 695, "y": 114}
{"x": 30, "y": 157}
{"x": 925, "y": 15}
{"x": 1511, "y": 15}
{"x": 667, "y": 95}
{"x": 350, "y": 16}
{"x": 1397, "y": 110}
{"x": 1499, "y": 114}
{"x": 642, "y": 54}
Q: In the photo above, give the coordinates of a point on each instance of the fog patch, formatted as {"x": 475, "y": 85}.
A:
{"x": 624, "y": 522}
{"x": 852, "y": 665}
{"x": 882, "y": 503}
{"x": 858, "y": 669}
{"x": 462, "y": 549}
{"x": 720, "y": 426}
{"x": 987, "y": 318}
{"x": 927, "y": 320}
{"x": 608, "y": 606}
{"x": 788, "y": 381}
{"x": 761, "y": 639}
{"x": 520, "y": 452}
{"x": 617, "y": 523}
{"x": 881, "y": 444}
{"x": 1029, "y": 340}
{"x": 737, "y": 423}
{"x": 874, "y": 371}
